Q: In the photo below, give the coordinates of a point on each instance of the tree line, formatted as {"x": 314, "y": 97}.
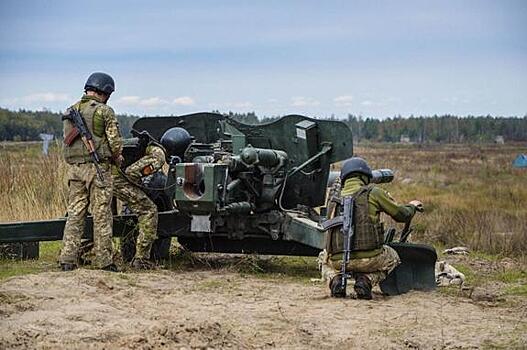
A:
{"x": 424, "y": 129}
{"x": 23, "y": 125}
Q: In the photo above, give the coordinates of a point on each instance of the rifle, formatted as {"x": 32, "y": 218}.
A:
{"x": 80, "y": 128}
{"x": 348, "y": 232}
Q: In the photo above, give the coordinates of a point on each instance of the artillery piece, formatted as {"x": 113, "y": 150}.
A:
{"x": 240, "y": 188}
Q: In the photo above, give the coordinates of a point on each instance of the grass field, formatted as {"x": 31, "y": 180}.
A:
{"x": 472, "y": 195}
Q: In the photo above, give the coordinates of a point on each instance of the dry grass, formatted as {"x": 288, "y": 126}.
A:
{"x": 32, "y": 185}
{"x": 472, "y": 194}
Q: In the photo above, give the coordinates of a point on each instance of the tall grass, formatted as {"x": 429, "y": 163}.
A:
{"x": 472, "y": 194}
{"x": 32, "y": 185}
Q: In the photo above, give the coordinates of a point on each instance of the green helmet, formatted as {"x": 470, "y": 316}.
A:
{"x": 100, "y": 82}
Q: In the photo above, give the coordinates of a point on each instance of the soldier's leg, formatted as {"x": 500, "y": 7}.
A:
{"x": 378, "y": 267}
{"x": 147, "y": 229}
{"x": 101, "y": 198}
{"x": 77, "y": 206}
{"x": 146, "y": 212}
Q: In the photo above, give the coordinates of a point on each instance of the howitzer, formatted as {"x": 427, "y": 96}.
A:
{"x": 239, "y": 188}
{"x": 80, "y": 129}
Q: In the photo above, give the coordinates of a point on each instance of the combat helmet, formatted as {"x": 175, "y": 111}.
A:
{"x": 175, "y": 141}
{"x": 101, "y": 82}
{"x": 355, "y": 165}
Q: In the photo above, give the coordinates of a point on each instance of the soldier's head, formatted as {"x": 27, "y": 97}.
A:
{"x": 175, "y": 141}
{"x": 356, "y": 167}
{"x": 100, "y": 85}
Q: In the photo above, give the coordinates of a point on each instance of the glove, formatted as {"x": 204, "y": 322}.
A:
{"x": 418, "y": 205}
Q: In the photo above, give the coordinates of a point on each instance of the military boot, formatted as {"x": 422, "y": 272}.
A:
{"x": 142, "y": 264}
{"x": 68, "y": 267}
{"x": 336, "y": 287}
{"x": 363, "y": 287}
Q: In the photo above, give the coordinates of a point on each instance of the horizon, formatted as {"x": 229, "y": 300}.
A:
{"x": 376, "y": 60}
{"x": 263, "y": 117}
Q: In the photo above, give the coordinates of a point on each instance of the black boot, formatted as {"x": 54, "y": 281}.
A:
{"x": 362, "y": 287}
{"x": 142, "y": 264}
{"x": 112, "y": 268}
{"x": 336, "y": 287}
{"x": 68, "y": 267}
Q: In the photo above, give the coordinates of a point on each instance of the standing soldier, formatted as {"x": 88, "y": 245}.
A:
{"x": 89, "y": 182}
{"x": 127, "y": 187}
{"x": 370, "y": 260}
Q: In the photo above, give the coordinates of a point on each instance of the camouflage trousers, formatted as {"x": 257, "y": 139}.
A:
{"x": 375, "y": 268}
{"x": 84, "y": 190}
{"x": 146, "y": 211}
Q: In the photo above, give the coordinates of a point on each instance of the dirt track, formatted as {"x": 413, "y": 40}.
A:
{"x": 221, "y": 309}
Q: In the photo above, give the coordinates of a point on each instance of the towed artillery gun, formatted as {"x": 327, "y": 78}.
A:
{"x": 239, "y": 188}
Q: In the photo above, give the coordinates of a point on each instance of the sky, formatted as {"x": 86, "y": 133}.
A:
{"x": 318, "y": 58}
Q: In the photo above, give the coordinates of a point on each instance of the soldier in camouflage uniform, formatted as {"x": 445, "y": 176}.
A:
{"x": 84, "y": 186}
{"x": 126, "y": 187}
{"x": 370, "y": 260}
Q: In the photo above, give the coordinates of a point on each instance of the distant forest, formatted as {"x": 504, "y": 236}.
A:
{"x": 25, "y": 125}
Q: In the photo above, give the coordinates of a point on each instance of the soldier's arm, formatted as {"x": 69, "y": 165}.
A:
{"x": 153, "y": 159}
{"x": 111, "y": 126}
{"x": 400, "y": 213}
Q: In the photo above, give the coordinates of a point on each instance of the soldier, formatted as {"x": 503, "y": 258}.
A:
{"x": 84, "y": 186}
{"x": 127, "y": 187}
{"x": 370, "y": 260}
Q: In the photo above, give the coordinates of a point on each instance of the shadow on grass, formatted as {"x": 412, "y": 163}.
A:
{"x": 263, "y": 266}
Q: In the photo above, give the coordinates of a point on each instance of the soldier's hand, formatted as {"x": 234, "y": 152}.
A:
{"x": 418, "y": 205}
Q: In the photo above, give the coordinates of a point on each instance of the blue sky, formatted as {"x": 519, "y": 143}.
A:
{"x": 375, "y": 58}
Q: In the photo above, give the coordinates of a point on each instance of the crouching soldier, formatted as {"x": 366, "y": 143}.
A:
{"x": 127, "y": 187}
{"x": 370, "y": 260}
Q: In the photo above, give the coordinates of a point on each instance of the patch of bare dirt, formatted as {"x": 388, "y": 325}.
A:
{"x": 89, "y": 309}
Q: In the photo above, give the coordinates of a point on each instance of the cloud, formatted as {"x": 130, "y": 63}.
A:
{"x": 47, "y": 97}
{"x": 343, "y": 101}
{"x": 367, "y": 103}
{"x": 155, "y": 101}
{"x": 152, "y": 102}
{"x": 301, "y": 101}
{"x": 183, "y": 101}
{"x": 129, "y": 100}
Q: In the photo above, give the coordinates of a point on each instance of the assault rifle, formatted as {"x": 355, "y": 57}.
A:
{"x": 80, "y": 129}
{"x": 348, "y": 232}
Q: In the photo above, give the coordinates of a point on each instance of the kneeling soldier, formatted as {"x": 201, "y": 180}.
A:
{"x": 370, "y": 259}
{"x": 127, "y": 188}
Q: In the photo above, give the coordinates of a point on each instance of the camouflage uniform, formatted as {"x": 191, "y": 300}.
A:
{"x": 137, "y": 200}
{"x": 378, "y": 263}
{"x": 84, "y": 186}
